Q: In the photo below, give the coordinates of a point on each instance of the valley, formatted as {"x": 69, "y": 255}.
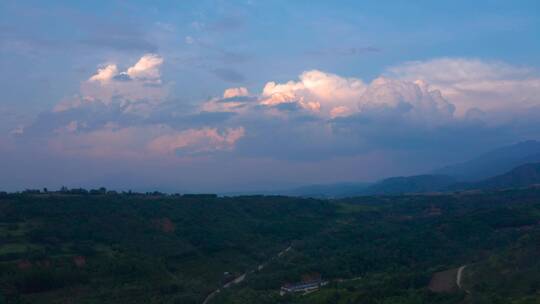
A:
{"x": 157, "y": 248}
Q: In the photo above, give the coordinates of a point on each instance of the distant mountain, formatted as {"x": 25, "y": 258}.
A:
{"x": 494, "y": 163}
{"x": 410, "y": 184}
{"x": 488, "y": 171}
{"x": 522, "y": 176}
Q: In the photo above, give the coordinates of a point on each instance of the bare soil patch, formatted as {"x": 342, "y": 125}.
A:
{"x": 444, "y": 281}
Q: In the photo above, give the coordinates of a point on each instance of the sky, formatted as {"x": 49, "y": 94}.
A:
{"x": 223, "y": 96}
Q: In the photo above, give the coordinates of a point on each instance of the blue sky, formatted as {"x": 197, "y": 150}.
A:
{"x": 243, "y": 95}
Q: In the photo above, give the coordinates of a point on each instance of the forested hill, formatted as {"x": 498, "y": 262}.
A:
{"x": 107, "y": 247}
{"x": 140, "y": 248}
{"x": 522, "y": 176}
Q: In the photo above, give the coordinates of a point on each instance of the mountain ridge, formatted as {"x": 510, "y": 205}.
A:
{"x": 494, "y": 162}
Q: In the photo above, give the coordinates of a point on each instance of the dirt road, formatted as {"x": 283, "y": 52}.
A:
{"x": 459, "y": 277}
{"x": 239, "y": 279}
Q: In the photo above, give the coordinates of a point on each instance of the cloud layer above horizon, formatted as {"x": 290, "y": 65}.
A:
{"x": 198, "y": 107}
{"x": 125, "y": 116}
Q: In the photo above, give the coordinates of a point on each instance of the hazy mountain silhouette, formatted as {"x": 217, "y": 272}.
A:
{"x": 494, "y": 162}
{"x": 410, "y": 184}
{"x": 521, "y": 176}
{"x": 505, "y": 167}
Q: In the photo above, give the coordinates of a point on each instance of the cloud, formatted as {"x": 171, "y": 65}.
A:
{"x": 323, "y": 115}
{"x": 330, "y": 96}
{"x": 195, "y": 141}
{"x": 339, "y": 111}
{"x": 224, "y": 105}
{"x": 316, "y": 91}
{"x": 456, "y": 70}
{"x": 235, "y": 92}
{"x": 72, "y": 103}
{"x": 473, "y": 83}
{"x": 137, "y": 89}
{"x": 105, "y": 74}
{"x": 416, "y": 101}
{"x": 72, "y": 127}
{"x": 331, "y": 114}
{"x": 110, "y": 141}
{"x": 147, "y": 68}
{"x": 234, "y": 100}
{"x": 140, "y": 142}
{"x": 320, "y": 117}
{"x": 104, "y": 121}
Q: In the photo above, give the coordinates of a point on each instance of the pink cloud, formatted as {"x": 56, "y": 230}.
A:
{"x": 197, "y": 140}
{"x": 316, "y": 91}
{"x": 137, "y": 90}
{"x": 140, "y": 142}
{"x": 474, "y": 83}
{"x": 235, "y": 92}
{"x": 105, "y": 74}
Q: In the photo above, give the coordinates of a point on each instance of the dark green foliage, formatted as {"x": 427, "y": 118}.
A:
{"x": 104, "y": 247}
{"x": 174, "y": 247}
{"x": 393, "y": 245}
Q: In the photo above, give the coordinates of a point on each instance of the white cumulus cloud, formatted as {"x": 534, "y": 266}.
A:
{"x": 473, "y": 83}
{"x": 147, "y": 68}
{"x": 136, "y": 89}
{"x": 316, "y": 91}
{"x": 235, "y": 92}
{"x": 414, "y": 100}
{"x": 105, "y": 74}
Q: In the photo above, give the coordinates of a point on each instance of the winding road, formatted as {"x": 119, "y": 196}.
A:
{"x": 459, "y": 276}
{"x": 239, "y": 279}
